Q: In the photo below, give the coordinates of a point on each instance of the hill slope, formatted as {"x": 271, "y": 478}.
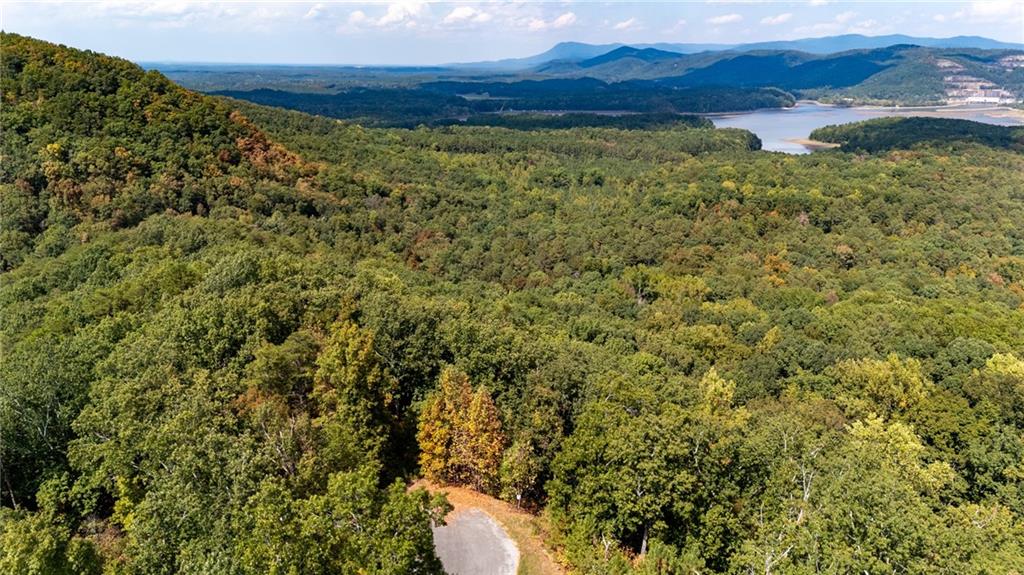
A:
{"x": 147, "y": 421}
{"x": 789, "y": 70}
{"x": 902, "y": 74}
{"x": 93, "y": 138}
{"x": 657, "y": 338}
{"x": 641, "y": 54}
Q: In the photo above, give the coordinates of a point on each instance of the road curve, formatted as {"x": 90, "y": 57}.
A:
{"x": 472, "y": 543}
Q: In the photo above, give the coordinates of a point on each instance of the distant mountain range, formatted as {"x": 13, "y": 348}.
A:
{"x": 849, "y": 69}
{"x": 578, "y": 52}
{"x": 902, "y": 72}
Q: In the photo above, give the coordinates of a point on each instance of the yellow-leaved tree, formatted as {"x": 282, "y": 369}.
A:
{"x": 460, "y": 436}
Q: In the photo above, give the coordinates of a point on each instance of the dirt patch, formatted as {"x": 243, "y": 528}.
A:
{"x": 812, "y": 144}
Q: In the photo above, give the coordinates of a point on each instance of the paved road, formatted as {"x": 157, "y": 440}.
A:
{"x": 472, "y": 543}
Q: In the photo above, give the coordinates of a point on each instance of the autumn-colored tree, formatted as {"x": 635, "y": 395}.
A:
{"x": 482, "y": 441}
{"x": 460, "y": 435}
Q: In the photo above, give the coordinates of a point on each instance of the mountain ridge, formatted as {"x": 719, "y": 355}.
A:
{"x": 580, "y": 51}
{"x": 643, "y": 54}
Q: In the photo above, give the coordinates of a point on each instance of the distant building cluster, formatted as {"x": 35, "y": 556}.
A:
{"x": 964, "y": 89}
{"x": 1015, "y": 61}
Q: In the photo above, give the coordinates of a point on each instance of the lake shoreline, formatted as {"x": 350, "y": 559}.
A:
{"x": 998, "y": 111}
{"x": 1005, "y": 111}
{"x": 812, "y": 145}
{"x": 788, "y": 130}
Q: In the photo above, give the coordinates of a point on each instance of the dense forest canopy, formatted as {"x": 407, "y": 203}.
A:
{"x": 232, "y": 335}
{"x": 537, "y": 121}
{"x": 442, "y": 102}
{"x": 882, "y": 134}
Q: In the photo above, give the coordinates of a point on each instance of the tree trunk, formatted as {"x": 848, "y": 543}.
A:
{"x": 643, "y": 543}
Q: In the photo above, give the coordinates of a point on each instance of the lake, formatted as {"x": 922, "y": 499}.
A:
{"x": 778, "y": 127}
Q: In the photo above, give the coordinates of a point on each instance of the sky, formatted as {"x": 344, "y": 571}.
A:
{"x": 412, "y": 32}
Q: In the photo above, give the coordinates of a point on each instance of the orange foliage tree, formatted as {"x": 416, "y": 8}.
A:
{"x": 460, "y": 436}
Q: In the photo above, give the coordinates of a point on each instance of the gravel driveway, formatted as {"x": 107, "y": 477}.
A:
{"x": 472, "y": 543}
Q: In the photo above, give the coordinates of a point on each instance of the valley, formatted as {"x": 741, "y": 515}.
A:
{"x": 579, "y": 78}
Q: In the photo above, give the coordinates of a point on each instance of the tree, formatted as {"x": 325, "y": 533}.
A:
{"x": 1001, "y": 382}
{"x": 885, "y": 387}
{"x": 42, "y": 542}
{"x": 35, "y": 543}
{"x": 520, "y": 468}
{"x": 435, "y": 438}
{"x": 869, "y": 507}
{"x": 354, "y": 395}
{"x": 353, "y": 527}
{"x": 482, "y": 441}
{"x": 643, "y": 464}
{"x": 442, "y": 426}
{"x": 460, "y": 435}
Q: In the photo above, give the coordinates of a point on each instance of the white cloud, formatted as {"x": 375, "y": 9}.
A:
{"x": 818, "y": 2}
{"x": 538, "y": 24}
{"x": 865, "y": 27}
{"x": 315, "y": 12}
{"x": 564, "y": 20}
{"x": 837, "y": 24}
{"x": 460, "y": 14}
{"x": 357, "y": 17}
{"x": 626, "y": 24}
{"x": 725, "y": 19}
{"x": 156, "y": 14}
{"x": 988, "y": 12}
{"x": 401, "y": 12}
{"x": 397, "y": 14}
{"x": 776, "y": 20}
{"x": 675, "y": 28}
{"x": 466, "y": 14}
{"x": 845, "y": 17}
{"x": 842, "y": 23}
{"x": 996, "y": 8}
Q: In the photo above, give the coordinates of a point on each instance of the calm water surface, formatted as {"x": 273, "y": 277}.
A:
{"x": 775, "y": 127}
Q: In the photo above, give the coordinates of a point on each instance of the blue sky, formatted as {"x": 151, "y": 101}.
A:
{"x": 417, "y": 32}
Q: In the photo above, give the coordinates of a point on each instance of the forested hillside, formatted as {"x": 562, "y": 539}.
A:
{"x": 441, "y": 102}
{"x": 232, "y": 335}
{"x": 538, "y": 121}
{"x": 882, "y": 134}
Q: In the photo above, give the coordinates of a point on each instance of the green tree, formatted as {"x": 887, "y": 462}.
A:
{"x": 353, "y": 527}
{"x": 1001, "y": 382}
{"x": 519, "y": 471}
{"x": 885, "y": 387}
{"x": 354, "y": 394}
